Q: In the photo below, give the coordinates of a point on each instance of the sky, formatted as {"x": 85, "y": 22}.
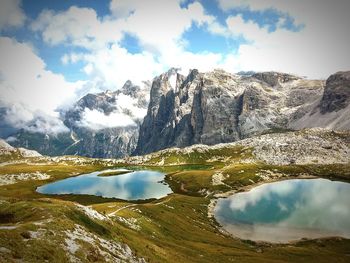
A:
{"x": 53, "y": 52}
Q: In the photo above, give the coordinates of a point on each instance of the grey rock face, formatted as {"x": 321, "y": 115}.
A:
{"x": 215, "y": 108}
{"x": 307, "y": 146}
{"x": 337, "y": 92}
{"x": 167, "y": 107}
{"x": 202, "y": 108}
{"x": 218, "y": 107}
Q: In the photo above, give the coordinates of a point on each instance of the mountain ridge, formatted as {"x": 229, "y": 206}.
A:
{"x": 218, "y": 107}
{"x": 202, "y": 107}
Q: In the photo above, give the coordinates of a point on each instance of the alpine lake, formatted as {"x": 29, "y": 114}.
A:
{"x": 128, "y": 185}
{"x": 276, "y": 212}
{"x": 287, "y": 211}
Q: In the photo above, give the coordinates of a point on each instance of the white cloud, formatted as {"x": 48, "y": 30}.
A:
{"x": 185, "y": 60}
{"x": 96, "y": 120}
{"x": 303, "y": 11}
{"x": 241, "y": 201}
{"x": 317, "y": 51}
{"x": 129, "y": 104}
{"x": 18, "y": 116}
{"x": 114, "y": 65}
{"x": 127, "y": 113}
{"x": 157, "y": 24}
{"x": 71, "y": 58}
{"x": 28, "y": 90}
{"x": 77, "y": 26}
{"x": 11, "y": 14}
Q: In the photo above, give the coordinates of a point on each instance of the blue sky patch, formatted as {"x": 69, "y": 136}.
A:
{"x": 198, "y": 40}
{"x": 131, "y": 43}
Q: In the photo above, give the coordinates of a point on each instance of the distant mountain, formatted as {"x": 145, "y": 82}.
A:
{"x": 218, "y": 107}
{"x": 201, "y": 108}
{"x": 111, "y": 140}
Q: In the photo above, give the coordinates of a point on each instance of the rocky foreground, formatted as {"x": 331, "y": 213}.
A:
{"x": 308, "y": 146}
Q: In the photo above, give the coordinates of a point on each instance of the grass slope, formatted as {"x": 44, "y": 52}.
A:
{"x": 36, "y": 227}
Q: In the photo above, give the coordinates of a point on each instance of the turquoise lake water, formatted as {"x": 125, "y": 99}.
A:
{"x": 138, "y": 185}
{"x": 287, "y": 210}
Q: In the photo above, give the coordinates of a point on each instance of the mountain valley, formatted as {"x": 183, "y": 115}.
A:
{"x": 88, "y": 228}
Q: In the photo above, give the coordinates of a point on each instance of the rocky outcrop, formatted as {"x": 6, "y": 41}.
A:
{"x": 218, "y": 107}
{"x": 337, "y": 93}
{"x": 165, "y": 111}
{"x": 309, "y": 146}
{"x": 6, "y": 149}
{"x": 331, "y": 110}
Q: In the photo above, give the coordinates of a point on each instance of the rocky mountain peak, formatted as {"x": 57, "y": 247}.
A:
{"x": 127, "y": 104}
{"x": 103, "y": 101}
{"x": 171, "y": 80}
{"x": 130, "y": 89}
{"x": 189, "y": 113}
{"x": 337, "y": 92}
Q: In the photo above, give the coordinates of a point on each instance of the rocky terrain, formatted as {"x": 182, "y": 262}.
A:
{"x": 7, "y": 150}
{"x": 217, "y": 107}
{"x": 308, "y": 146}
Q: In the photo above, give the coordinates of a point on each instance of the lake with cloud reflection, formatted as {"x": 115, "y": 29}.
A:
{"x": 138, "y": 185}
{"x": 288, "y": 210}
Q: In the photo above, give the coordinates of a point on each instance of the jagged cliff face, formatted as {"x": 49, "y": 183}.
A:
{"x": 84, "y": 139}
{"x": 218, "y": 107}
{"x": 199, "y": 108}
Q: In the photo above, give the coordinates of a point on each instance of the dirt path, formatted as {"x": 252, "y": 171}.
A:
{"x": 163, "y": 202}
{"x": 120, "y": 209}
{"x": 128, "y": 206}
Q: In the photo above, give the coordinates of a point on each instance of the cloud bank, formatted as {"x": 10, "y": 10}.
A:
{"x": 30, "y": 93}
{"x": 307, "y": 38}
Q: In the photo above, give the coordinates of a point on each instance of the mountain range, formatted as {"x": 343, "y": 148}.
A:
{"x": 200, "y": 108}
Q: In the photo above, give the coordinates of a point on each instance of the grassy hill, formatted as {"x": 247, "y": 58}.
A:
{"x": 177, "y": 228}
